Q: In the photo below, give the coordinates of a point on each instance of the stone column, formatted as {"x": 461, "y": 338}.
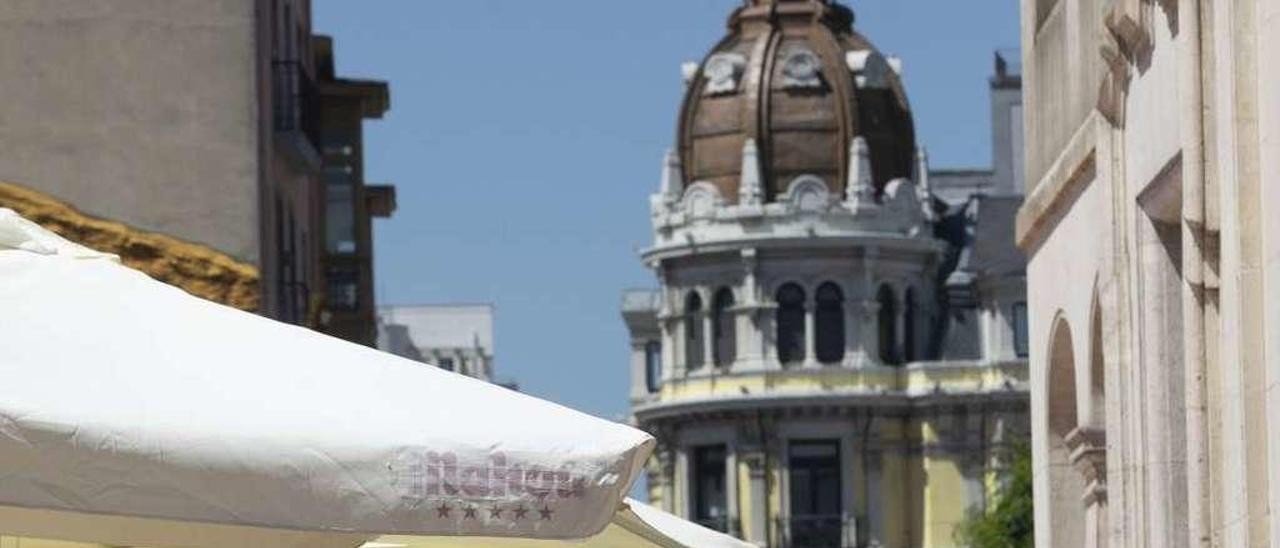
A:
{"x": 708, "y": 336}
{"x": 757, "y": 493}
{"x": 810, "y": 335}
{"x": 870, "y": 331}
{"x": 1088, "y": 448}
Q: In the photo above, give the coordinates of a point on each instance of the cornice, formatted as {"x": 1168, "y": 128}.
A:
{"x": 195, "y": 268}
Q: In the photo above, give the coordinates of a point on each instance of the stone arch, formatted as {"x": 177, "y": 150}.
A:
{"x": 701, "y": 200}
{"x": 829, "y": 336}
{"x": 724, "y": 333}
{"x": 808, "y": 193}
{"x": 887, "y": 325}
{"x": 694, "y": 335}
{"x": 789, "y": 323}
{"x": 1066, "y": 485}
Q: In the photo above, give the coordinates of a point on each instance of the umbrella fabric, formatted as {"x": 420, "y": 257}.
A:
{"x": 128, "y": 397}
{"x": 636, "y": 525}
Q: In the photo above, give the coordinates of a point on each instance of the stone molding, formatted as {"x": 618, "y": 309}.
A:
{"x": 1088, "y": 454}
{"x": 196, "y": 269}
{"x": 1058, "y": 189}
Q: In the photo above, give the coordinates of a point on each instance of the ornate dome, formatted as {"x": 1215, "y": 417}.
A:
{"x": 793, "y": 77}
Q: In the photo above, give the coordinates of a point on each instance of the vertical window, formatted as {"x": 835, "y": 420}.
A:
{"x": 829, "y": 320}
{"x": 816, "y": 507}
{"x": 888, "y": 318}
{"x": 653, "y": 366}
{"x": 343, "y": 289}
{"x": 724, "y": 331}
{"x": 710, "y": 499}
{"x": 790, "y": 324}
{"x": 1020, "y": 346}
{"x": 909, "y": 328}
{"x": 446, "y": 364}
{"x": 694, "y": 348}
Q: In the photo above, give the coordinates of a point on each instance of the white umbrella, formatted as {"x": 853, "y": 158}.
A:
{"x": 134, "y": 413}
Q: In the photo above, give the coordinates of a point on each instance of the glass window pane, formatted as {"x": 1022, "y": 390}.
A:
{"x": 653, "y": 365}
{"x": 711, "y": 507}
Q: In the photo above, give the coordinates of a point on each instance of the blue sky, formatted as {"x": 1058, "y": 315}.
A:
{"x": 525, "y": 136}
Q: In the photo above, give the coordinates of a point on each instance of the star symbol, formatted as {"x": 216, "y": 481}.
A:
{"x": 469, "y": 512}
{"x": 495, "y": 512}
{"x": 442, "y": 511}
{"x": 545, "y": 512}
{"x": 520, "y": 512}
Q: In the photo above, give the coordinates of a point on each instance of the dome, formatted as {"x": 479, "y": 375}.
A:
{"x": 793, "y": 77}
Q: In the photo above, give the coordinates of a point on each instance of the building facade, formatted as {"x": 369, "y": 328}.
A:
{"x": 835, "y": 353}
{"x": 1154, "y": 262}
{"x": 457, "y": 338}
{"x": 189, "y": 138}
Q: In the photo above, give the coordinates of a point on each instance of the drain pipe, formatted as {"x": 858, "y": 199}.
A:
{"x": 1193, "y": 287}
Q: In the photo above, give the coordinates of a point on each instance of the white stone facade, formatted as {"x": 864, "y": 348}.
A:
{"x": 1154, "y": 265}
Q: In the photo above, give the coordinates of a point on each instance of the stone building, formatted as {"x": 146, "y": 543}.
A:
{"x": 1154, "y": 266}
{"x": 456, "y": 338}
{"x": 836, "y": 353}
{"x": 191, "y": 137}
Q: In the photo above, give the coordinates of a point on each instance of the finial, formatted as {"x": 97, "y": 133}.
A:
{"x": 672, "y": 177}
{"x": 750, "y": 190}
{"x": 922, "y": 169}
{"x": 860, "y": 187}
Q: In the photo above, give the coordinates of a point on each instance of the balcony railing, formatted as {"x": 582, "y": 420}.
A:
{"x": 296, "y": 100}
{"x": 821, "y": 531}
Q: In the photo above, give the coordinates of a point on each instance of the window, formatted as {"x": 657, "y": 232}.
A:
{"x": 446, "y": 364}
{"x": 888, "y": 326}
{"x": 829, "y": 320}
{"x": 909, "y": 328}
{"x": 343, "y": 289}
{"x": 723, "y": 330}
{"x": 790, "y": 320}
{"x": 1020, "y": 346}
{"x": 710, "y": 499}
{"x": 653, "y": 366}
{"x": 694, "y": 347}
{"x": 816, "y": 517}
{"x": 340, "y": 212}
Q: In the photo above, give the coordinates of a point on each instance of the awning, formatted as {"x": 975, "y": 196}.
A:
{"x": 127, "y": 400}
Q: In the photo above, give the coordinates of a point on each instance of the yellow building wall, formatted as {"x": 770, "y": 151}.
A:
{"x": 19, "y": 542}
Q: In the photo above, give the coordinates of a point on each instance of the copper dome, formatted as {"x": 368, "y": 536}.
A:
{"x": 793, "y": 76}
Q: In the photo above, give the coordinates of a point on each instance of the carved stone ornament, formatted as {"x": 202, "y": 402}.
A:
{"x": 809, "y": 194}
{"x": 723, "y": 72}
{"x": 801, "y": 69}
{"x": 1127, "y": 41}
{"x": 701, "y": 200}
{"x": 1088, "y": 448}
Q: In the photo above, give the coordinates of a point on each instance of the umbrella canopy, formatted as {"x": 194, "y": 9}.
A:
{"x": 637, "y": 525}
{"x": 127, "y": 399}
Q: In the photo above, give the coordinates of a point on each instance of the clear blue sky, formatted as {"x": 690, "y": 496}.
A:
{"x": 525, "y": 136}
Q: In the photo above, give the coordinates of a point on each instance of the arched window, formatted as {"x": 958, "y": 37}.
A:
{"x": 723, "y": 330}
{"x": 909, "y": 328}
{"x": 829, "y": 320}
{"x": 790, "y": 324}
{"x": 694, "y": 348}
{"x": 653, "y": 366}
{"x": 888, "y": 326}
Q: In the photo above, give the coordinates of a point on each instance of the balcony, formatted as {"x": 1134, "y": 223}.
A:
{"x": 820, "y": 531}
{"x": 296, "y": 116}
